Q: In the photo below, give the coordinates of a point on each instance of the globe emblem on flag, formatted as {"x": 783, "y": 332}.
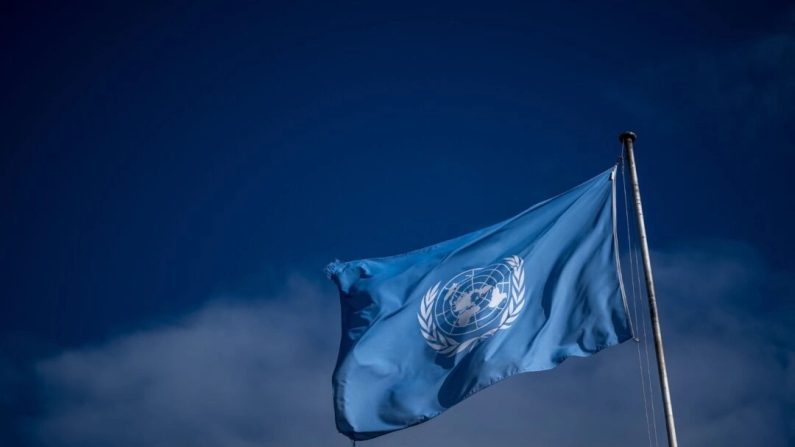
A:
{"x": 472, "y": 306}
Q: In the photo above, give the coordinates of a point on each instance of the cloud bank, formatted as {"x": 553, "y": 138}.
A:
{"x": 246, "y": 373}
{"x": 231, "y": 374}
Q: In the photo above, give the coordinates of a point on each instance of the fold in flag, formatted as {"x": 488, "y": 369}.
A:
{"x": 424, "y": 330}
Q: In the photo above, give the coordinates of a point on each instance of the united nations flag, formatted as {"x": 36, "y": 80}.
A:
{"x": 424, "y": 330}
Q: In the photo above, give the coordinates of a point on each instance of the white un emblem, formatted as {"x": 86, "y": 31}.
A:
{"x": 472, "y": 306}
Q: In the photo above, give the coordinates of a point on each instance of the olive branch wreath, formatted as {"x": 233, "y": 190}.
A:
{"x": 448, "y": 346}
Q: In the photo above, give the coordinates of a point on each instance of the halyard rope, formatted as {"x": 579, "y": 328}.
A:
{"x": 635, "y": 273}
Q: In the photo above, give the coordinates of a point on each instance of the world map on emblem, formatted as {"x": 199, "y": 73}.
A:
{"x": 472, "y": 306}
{"x": 471, "y": 303}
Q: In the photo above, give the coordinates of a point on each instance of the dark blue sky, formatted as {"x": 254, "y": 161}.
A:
{"x": 157, "y": 157}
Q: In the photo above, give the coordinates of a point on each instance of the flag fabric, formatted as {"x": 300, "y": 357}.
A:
{"x": 424, "y": 330}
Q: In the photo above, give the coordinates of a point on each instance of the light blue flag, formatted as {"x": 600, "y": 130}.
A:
{"x": 424, "y": 330}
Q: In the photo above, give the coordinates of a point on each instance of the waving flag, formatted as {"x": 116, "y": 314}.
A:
{"x": 424, "y": 330}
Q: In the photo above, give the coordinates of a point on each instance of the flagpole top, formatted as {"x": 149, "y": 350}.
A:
{"x": 628, "y": 135}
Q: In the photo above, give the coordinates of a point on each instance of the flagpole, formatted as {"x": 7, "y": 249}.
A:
{"x": 628, "y": 140}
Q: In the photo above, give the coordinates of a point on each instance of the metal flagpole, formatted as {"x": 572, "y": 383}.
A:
{"x": 628, "y": 140}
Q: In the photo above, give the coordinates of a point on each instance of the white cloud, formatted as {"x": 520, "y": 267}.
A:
{"x": 228, "y": 375}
